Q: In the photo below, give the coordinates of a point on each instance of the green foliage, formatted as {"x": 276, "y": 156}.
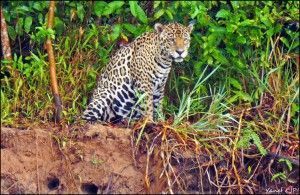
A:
{"x": 249, "y": 135}
{"x": 138, "y": 12}
{"x": 283, "y": 175}
{"x": 287, "y": 162}
{"x": 105, "y": 9}
{"x": 240, "y": 38}
{"x": 279, "y": 175}
{"x": 188, "y": 100}
{"x": 24, "y": 15}
{"x": 43, "y": 34}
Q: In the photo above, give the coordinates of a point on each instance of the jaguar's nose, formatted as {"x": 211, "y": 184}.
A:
{"x": 179, "y": 51}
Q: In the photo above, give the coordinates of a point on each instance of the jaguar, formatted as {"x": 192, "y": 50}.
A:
{"x": 141, "y": 66}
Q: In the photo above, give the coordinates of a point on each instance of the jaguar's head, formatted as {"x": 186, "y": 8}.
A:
{"x": 174, "y": 39}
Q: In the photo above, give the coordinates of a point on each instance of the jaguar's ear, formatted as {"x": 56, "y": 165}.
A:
{"x": 191, "y": 25}
{"x": 158, "y": 27}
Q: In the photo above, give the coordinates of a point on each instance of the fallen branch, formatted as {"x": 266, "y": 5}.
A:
{"x": 54, "y": 86}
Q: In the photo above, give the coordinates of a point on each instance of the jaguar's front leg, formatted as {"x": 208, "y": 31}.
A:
{"x": 157, "y": 104}
{"x": 149, "y": 110}
{"x": 157, "y": 99}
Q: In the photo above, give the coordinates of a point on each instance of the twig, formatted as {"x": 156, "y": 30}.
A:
{"x": 228, "y": 186}
{"x": 149, "y": 152}
{"x": 273, "y": 46}
{"x": 233, "y": 153}
{"x": 200, "y": 174}
{"x": 12, "y": 185}
{"x": 37, "y": 167}
{"x": 106, "y": 191}
{"x": 165, "y": 160}
{"x": 217, "y": 175}
{"x": 248, "y": 180}
{"x": 133, "y": 149}
{"x": 51, "y": 58}
{"x": 288, "y": 120}
{"x": 272, "y": 160}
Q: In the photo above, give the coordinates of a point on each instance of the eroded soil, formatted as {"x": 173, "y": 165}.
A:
{"x": 107, "y": 159}
{"x": 97, "y": 159}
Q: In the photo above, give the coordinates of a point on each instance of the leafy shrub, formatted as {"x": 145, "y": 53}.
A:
{"x": 237, "y": 37}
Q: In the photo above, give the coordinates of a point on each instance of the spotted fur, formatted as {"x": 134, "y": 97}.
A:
{"x": 141, "y": 66}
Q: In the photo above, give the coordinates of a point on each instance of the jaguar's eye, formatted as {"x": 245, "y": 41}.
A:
{"x": 186, "y": 36}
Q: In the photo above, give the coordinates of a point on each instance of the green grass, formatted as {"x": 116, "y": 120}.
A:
{"x": 242, "y": 42}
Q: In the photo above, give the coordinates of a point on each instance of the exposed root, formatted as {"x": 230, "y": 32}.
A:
{"x": 204, "y": 162}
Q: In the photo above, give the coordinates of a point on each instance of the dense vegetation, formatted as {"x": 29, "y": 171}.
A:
{"x": 242, "y": 72}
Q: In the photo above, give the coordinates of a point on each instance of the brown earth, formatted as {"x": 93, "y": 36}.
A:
{"x": 108, "y": 159}
{"x": 97, "y": 159}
